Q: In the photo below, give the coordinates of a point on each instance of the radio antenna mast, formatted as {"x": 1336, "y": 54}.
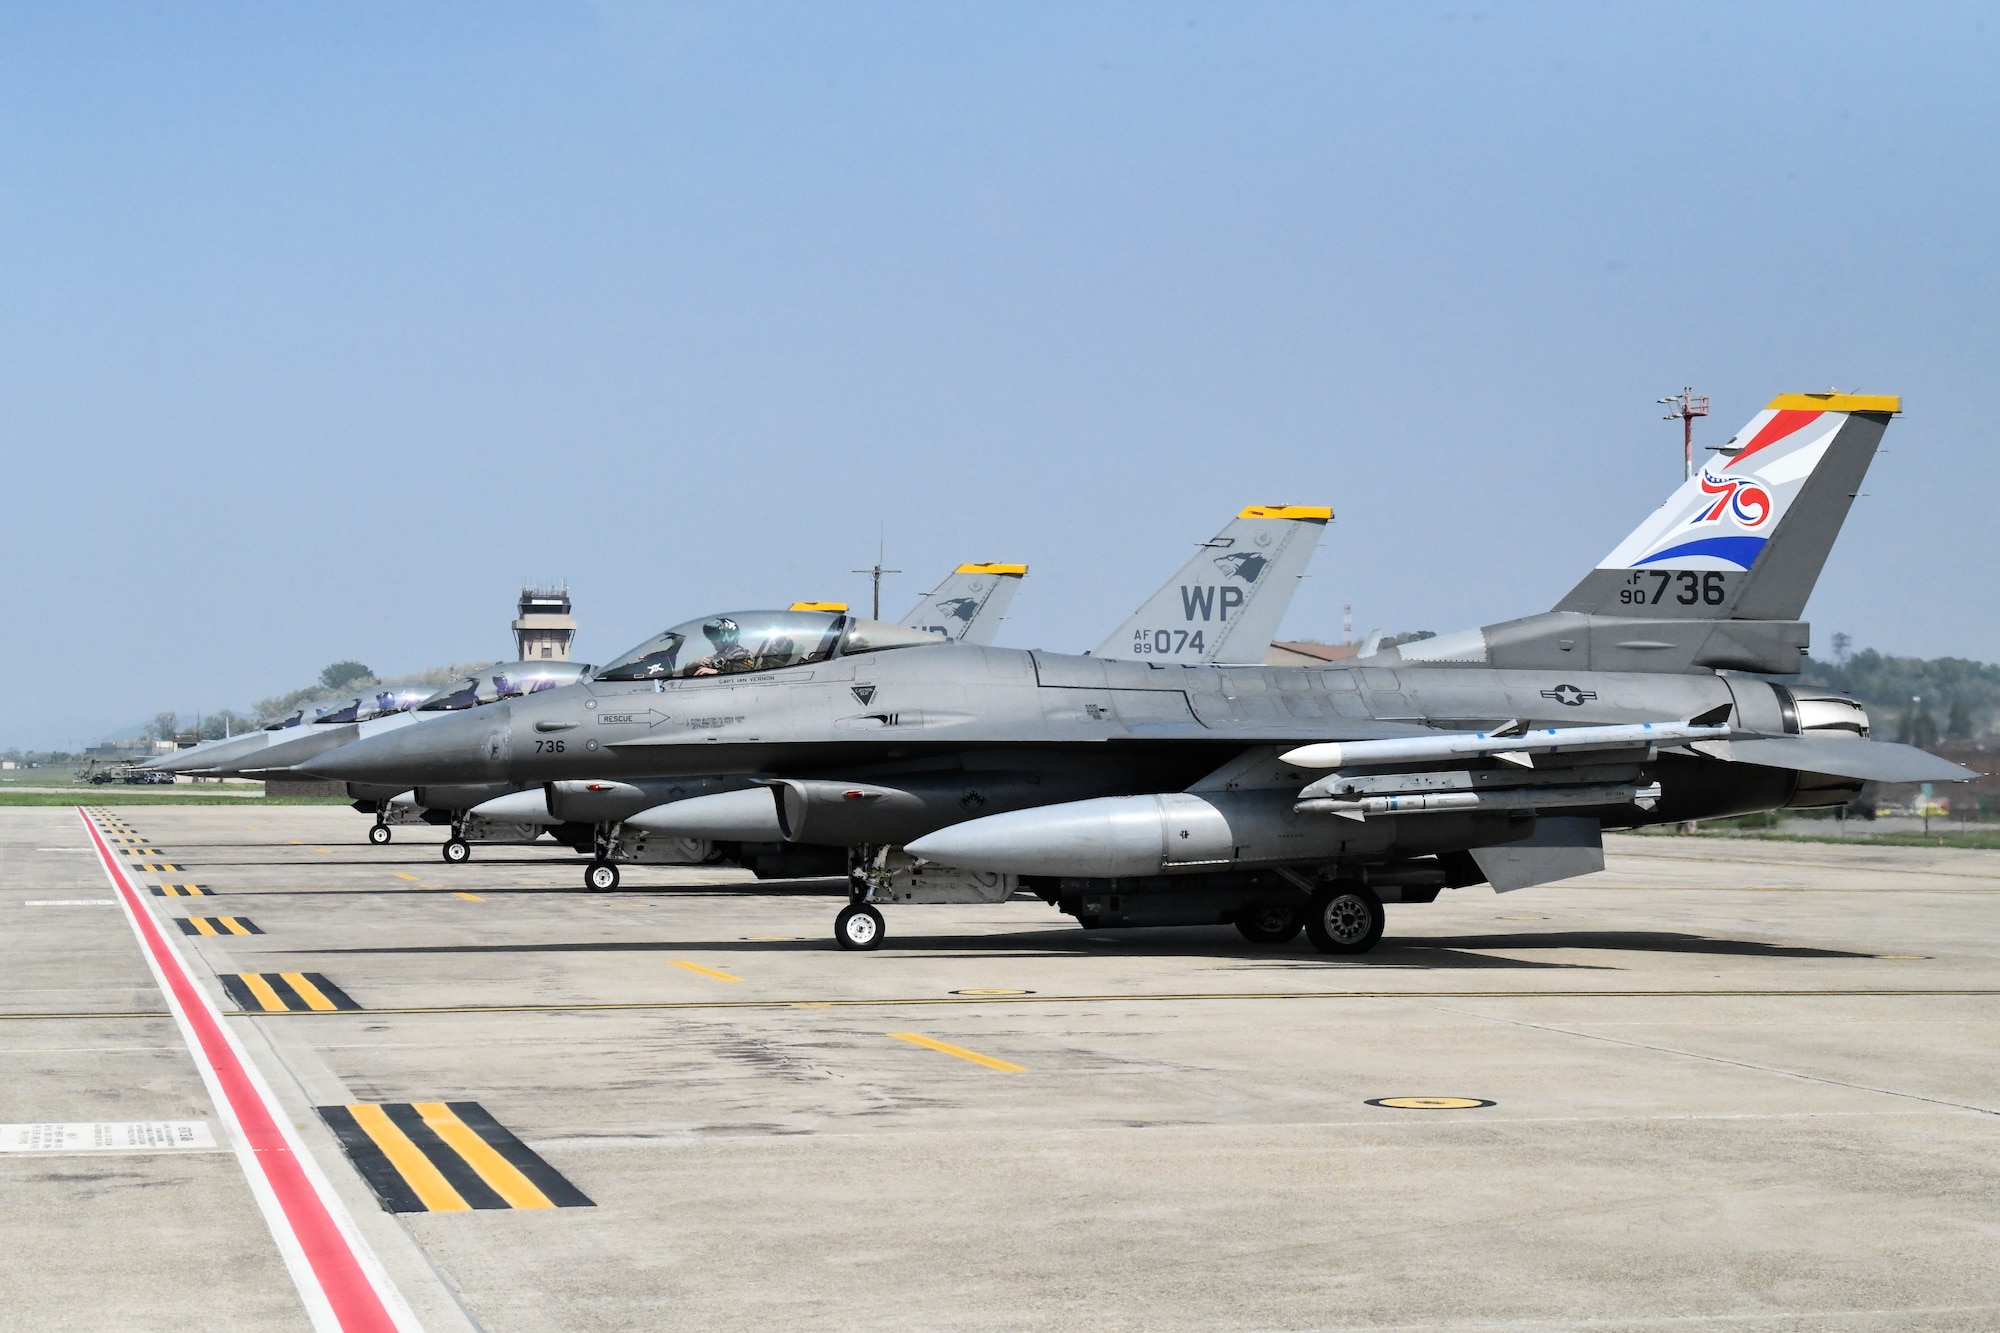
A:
{"x": 1686, "y": 408}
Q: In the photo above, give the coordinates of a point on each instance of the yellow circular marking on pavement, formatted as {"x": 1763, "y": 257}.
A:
{"x": 995, "y": 991}
{"x": 1429, "y": 1103}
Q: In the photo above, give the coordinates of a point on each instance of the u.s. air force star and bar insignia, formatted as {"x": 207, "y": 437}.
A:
{"x": 1569, "y": 695}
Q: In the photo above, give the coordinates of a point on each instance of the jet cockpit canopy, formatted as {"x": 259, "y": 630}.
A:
{"x": 378, "y": 703}
{"x": 504, "y": 680}
{"x": 745, "y": 641}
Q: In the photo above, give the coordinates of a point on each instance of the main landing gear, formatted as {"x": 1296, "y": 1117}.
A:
{"x": 380, "y": 835}
{"x": 600, "y": 876}
{"x": 1270, "y": 923}
{"x": 457, "y": 851}
{"x": 1345, "y": 917}
{"x": 859, "y": 926}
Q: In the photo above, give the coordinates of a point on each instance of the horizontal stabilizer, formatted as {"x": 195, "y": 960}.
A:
{"x": 1558, "y": 849}
{"x": 1870, "y": 761}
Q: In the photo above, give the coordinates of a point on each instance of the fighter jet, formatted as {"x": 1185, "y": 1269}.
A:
{"x": 967, "y": 607}
{"x": 248, "y": 753}
{"x": 1130, "y": 793}
{"x": 1233, "y": 594}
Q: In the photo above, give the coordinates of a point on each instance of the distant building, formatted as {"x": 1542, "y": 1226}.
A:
{"x": 1302, "y": 653}
{"x": 544, "y": 629}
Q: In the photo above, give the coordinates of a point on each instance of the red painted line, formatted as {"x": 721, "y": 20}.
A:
{"x": 336, "y": 1269}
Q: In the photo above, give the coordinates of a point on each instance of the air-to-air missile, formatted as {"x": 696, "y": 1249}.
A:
{"x": 1224, "y": 605}
{"x": 1150, "y": 792}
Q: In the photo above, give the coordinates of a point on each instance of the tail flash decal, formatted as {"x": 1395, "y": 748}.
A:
{"x": 1723, "y": 516}
{"x": 970, "y": 604}
{"x": 1747, "y": 535}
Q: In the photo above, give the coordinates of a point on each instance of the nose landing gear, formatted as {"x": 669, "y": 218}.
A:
{"x": 457, "y": 851}
{"x": 859, "y": 926}
{"x": 380, "y": 835}
{"x": 600, "y": 876}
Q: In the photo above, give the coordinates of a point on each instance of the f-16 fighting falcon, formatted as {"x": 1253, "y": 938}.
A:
{"x": 1222, "y": 606}
{"x": 255, "y": 752}
{"x": 1130, "y": 793}
{"x": 967, "y": 607}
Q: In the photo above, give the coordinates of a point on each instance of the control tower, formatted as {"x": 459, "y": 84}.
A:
{"x": 544, "y": 628}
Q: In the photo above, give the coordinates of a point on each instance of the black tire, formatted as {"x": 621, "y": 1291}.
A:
{"x": 859, "y": 926}
{"x": 457, "y": 851}
{"x": 600, "y": 877}
{"x": 1270, "y": 923}
{"x": 380, "y": 835}
{"x": 1345, "y": 918}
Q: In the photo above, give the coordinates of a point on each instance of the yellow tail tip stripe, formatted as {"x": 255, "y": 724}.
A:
{"x": 1836, "y": 402}
{"x": 1017, "y": 570}
{"x": 946, "y": 1048}
{"x": 817, "y": 606}
{"x": 1311, "y": 513}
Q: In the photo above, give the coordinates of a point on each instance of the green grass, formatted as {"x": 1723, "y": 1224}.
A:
{"x": 140, "y": 796}
{"x": 1978, "y": 839}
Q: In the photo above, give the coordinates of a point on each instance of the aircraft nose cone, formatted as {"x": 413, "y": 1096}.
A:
{"x": 473, "y": 746}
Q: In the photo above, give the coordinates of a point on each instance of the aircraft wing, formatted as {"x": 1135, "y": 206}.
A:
{"x": 1870, "y": 761}
{"x": 970, "y": 604}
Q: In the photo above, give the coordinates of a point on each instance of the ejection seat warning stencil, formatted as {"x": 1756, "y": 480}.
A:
{"x": 445, "y": 1157}
{"x": 107, "y": 1136}
{"x": 286, "y": 993}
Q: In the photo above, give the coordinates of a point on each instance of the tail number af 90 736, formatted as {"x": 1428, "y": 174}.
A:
{"x": 1709, "y": 588}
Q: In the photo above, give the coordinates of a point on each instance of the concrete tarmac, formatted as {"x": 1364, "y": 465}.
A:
{"x": 1722, "y": 1085}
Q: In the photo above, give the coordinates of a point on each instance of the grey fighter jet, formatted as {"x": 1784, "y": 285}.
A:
{"x": 1226, "y": 601}
{"x": 967, "y": 607}
{"x": 1274, "y": 798}
{"x": 249, "y": 754}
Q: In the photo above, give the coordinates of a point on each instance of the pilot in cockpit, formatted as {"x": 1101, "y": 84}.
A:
{"x": 729, "y": 654}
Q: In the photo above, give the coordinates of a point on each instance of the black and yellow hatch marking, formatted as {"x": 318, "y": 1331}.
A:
{"x": 181, "y": 891}
{"x": 218, "y": 925}
{"x": 140, "y": 851}
{"x": 285, "y": 992}
{"x": 157, "y": 867}
{"x": 445, "y": 1157}
{"x": 1430, "y": 1103}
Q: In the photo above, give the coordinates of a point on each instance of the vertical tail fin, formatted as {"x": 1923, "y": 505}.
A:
{"x": 1746, "y": 536}
{"x": 1225, "y": 604}
{"x": 970, "y": 604}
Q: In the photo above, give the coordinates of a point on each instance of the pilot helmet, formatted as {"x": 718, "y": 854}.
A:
{"x": 720, "y": 630}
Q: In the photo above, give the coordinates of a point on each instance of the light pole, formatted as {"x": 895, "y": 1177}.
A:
{"x": 1686, "y": 407}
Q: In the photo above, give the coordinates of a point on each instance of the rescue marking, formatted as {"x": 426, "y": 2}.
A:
{"x": 178, "y": 890}
{"x": 945, "y": 1047}
{"x": 218, "y": 925}
{"x": 705, "y": 971}
{"x": 445, "y": 1157}
{"x": 341, "y": 1283}
{"x": 107, "y": 1136}
{"x": 1430, "y": 1103}
{"x": 286, "y": 992}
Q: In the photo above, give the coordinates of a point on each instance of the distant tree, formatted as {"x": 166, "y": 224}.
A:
{"x": 225, "y": 722}
{"x": 165, "y": 726}
{"x": 343, "y": 675}
{"x": 1958, "y": 722}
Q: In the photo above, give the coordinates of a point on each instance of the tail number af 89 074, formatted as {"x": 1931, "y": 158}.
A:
{"x": 1166, "y": 642}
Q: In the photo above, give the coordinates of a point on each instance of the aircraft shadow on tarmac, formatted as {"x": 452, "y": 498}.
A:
{"x": 1434, "y": 954}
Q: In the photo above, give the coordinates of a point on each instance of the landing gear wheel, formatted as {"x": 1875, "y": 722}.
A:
{"x": 1345, "y": 918}
{"x": 380, "y": 835}
{"x": 600, "y": 877}
{"x": 859, "y": 926}
{"x": 457, "y": 851}
{"x": 1270, "y": 923}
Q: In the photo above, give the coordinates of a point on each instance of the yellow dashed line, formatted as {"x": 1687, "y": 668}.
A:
{"x": 705, "y": 971}
{"x": 945, "y": 1047}
{"x": 401, "y": 875}
{"x": 469, "y": 897}
{"x": 494, "y": 1169}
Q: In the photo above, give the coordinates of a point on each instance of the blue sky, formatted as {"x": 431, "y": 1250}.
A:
{"x": 327, "y": 326}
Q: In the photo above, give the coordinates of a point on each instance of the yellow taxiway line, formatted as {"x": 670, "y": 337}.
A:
{"x": 945, "y": 1047}
{"x": 704, "y": 971}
